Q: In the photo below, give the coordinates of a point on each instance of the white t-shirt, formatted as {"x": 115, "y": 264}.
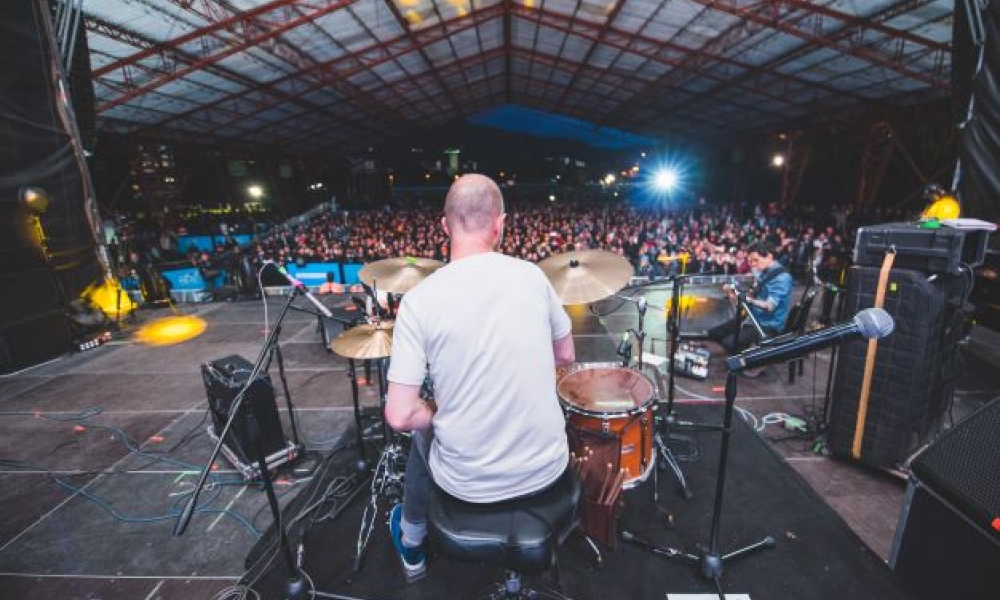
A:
{"x": 483, "y": 326}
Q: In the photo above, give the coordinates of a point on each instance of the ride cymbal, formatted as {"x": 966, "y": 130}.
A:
{"x": 398, "y": 275}
{"x": 587, "y": 275}
{"x": 365, "y": 341}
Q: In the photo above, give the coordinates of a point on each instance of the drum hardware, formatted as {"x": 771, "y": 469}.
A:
{"x": 372, "y": 342}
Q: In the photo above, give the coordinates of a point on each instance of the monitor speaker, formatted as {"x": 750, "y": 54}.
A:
{"x": 947, "y": 542}
{"x": 224, "y": 378}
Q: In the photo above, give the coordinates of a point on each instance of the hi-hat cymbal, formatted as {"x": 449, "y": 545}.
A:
{"x": 398, "y": 275}
{"x": 365, "y": 341}
{"x": 587, "y": 275}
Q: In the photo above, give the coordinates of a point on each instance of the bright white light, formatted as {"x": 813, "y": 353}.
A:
{"x": 552, "y": 198}
{"x": 256, "y": 192}
{"x": 665, "y": 180}
{"x": 609, "y": 178}
{"x": 778, "y": 160}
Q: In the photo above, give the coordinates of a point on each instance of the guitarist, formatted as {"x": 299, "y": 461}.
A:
{"x": 768, "y": 301}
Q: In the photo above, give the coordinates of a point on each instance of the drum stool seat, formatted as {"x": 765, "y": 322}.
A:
{"x": 519, "y": 535}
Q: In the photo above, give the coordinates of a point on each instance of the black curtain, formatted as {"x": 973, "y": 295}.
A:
{"x": 979, "y": 184}
{"x": 40, "y": 148}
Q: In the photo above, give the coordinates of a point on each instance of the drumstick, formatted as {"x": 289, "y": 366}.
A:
{"x": 614, "y": 489}
{"x": 606, "y": 483}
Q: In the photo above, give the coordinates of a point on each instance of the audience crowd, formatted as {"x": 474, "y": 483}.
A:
{"x": 706, "y": 240}
{"x": 702, "y": 239}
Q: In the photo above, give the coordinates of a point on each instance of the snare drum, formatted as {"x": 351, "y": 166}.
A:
{"x": 613, "y": 400}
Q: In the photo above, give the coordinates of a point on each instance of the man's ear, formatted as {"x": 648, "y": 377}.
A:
{"x": 444, "y": 225}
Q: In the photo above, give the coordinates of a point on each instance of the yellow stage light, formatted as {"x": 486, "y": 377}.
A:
{"x": 110, "y": 298}
{"x": 170, "y": 330}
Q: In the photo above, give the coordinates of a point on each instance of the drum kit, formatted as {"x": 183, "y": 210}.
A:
{"x": 615, "y": 401}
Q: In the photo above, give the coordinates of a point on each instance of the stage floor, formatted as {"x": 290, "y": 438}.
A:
{"x": 86, "y": 517}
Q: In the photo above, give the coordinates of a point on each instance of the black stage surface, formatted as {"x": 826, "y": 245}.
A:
{"x": 86, "y": 516}
{"x": 817, "y": 556}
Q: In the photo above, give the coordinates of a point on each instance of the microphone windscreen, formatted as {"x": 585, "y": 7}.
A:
{"x": 874, "y": 323}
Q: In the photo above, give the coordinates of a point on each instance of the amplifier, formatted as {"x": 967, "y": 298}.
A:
{"x": 224, "y": 378}
{"x": 947, "y": 543}
{"x": 941, "y": 250}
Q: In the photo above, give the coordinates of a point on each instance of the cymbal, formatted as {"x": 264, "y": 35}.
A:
{"x": 398, "y": 275}
{"x": 586, "y": 275}
{"x": 365, "y": 341}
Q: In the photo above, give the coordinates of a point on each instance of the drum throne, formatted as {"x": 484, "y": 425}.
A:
{"x": 522, "y": 535}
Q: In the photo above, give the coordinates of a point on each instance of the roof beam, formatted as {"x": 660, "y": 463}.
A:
{"x": 774, "y": 19}
{"x": 232, "y": 49}
{"x": 507, "y": 45}
{"x": 282, "y": 49}
{"x": 772, "y": 65}
{"x": 646, "y": 47}
{"x": 344, "y": 67}
{"x": 612, "y": 15}
{"x": 391, "y": 4}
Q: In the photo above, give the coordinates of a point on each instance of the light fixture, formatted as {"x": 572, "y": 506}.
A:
{"x": 665, "y": 180}
{"x": 778, "y": 160}
{"x": 35, "y": 199}
{"x": 255, "y": 191}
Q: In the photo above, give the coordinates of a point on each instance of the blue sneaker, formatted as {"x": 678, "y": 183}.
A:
{"x": 414, "y": 560}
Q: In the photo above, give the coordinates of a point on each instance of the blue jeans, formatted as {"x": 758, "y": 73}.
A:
{"x": 417, "y": 489}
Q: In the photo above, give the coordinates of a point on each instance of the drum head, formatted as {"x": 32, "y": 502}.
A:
{"x": 605, "y": 389}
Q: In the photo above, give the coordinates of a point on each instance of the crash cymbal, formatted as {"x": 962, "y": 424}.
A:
{"x": 587, "y": 275}
{"x": 398, "y": 275}
{"x": 365, "y": 341}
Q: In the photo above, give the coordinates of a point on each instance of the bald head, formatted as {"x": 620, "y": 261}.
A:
{"x": 473, "y": 204}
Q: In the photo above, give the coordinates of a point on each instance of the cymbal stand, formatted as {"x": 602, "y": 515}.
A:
{"x": 662, "y": 434}
{"x": 710, "y": 562}
{"x": 387, "y": 478}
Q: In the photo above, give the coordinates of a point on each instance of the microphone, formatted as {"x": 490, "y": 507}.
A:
{"x": 301, "y": 287}
{"x": 871, "y": 323}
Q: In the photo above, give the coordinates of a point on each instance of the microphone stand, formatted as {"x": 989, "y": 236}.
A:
{"x": 295, "y": 586}
{"x": 710, "y": 562}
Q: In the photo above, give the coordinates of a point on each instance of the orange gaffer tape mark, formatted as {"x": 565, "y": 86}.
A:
{"x": 719, "y": 388}
{"x": 156, "y": 438}
{"x": 362, "y": 381}
{"x": 350, "y": 308}
{"x": 79, "y": 428}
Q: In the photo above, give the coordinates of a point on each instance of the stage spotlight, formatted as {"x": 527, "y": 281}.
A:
{"x": 609, "y": 179}
{"x": 256, "y": 192}
{"x": 778, "y": 160}
{"x": 170, "y": 330}
{"x": 35, "y": 199}
{"x": 665, "y": 180}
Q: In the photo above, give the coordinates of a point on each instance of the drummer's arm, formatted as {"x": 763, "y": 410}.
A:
{"x": 564, "y": 350}
{"x": 404, "y": 409}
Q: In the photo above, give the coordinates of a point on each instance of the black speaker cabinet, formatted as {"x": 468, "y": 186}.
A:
{"x": 915, "y": 367}
{"x": 224, "y": 378}
{"x": 947, "y": 543}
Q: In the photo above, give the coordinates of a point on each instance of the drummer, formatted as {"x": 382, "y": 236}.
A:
{"x": 489, "y": 330}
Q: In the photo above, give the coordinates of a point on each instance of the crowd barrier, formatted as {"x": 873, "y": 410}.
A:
{"x": 208, "y": 243}
{"x": 187, "y": 284}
